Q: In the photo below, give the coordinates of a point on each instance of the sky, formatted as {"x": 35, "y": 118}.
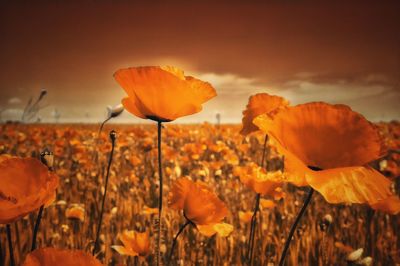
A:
{"x": 334, "y": 51}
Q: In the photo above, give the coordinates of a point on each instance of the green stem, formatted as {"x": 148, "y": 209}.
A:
{"x": 292, "y": 230}
{"x": 36, "y": 228}
{"x": 160, "y": 198}
{"x": 250, "y": 246}
{"x": 175, "y": 240}
{"x": 96, "y": 242}
{"x": 10, "y": 246}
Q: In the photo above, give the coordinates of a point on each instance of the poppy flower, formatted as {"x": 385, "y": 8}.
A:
{"x": 245, "y": 217}
{"x": 25, "y": 185}
{"x": 260, "y": 103}
{"x": 260, "y": 180}
{"x": 328, "y": 147}
{"x": 76, "y": 211}
{"x": 60, "y": 257}
{"x": 134, "y": 244}
{"x": 162, "y": 94}
{"x": 200, "y": 206}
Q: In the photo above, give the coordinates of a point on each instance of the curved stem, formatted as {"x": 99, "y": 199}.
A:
{"x": 250, "y": 245}
{"x": 102, "y": 125}
{"x": 10, "y": 247}
{"x": 303, "y": 209}
{"x": 36, "y": 228}
{"x": 96, "y": 243}
{"x": 160, "y": 198}
{"x": 174, "y": 241}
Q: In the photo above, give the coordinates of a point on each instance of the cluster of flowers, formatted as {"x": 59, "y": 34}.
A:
{"x": 325, "y": 147}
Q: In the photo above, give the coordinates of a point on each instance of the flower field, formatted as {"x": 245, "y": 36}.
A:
{"x": 219, "y": 157}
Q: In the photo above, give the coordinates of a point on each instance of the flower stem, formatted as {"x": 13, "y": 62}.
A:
{"x": 10, "y": 247}
{"x": 175, "y": 240}
{"x": 303, "y": 209}
{"x": 113, "y": 136}
{"x": 250, "y": 246}
{"x": 36, "y": 228}
{"x": 160, "y": 198}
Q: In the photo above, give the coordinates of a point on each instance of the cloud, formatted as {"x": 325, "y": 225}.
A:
{"x": 14, "y": 100}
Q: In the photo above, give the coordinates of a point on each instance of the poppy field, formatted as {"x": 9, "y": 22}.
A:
{"x": 206, "y": 153}
{"x": 307, "y": 184}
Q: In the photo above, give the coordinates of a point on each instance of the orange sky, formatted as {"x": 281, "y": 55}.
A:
{"x": 342, "y": 52}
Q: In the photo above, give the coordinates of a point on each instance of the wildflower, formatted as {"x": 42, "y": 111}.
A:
{"x": 134, "y": 244}
{"x": 162, "y": 94}
{"x": 259, "y": 104}
{"x": 327, "y": 147}
{"x": 25, "y": 185}
{"x": 76, "y": 211}
{"x": 60, "y": 257}
{"x": 200, "y": 206}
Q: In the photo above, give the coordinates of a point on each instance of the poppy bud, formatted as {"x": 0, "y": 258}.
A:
{"x": 113, "y": 135}
{"x": 115, "y": 111}
{"x": 47, "y": 158}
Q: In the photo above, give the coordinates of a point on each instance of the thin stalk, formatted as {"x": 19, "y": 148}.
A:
{"x": 96, "y": 242}
{"x": 160, "y": 199}
{"x": 136, "y": 261}
{"x": 250, "y": 246}
{"x": 102, "y": 125}
{"x": 175, "y": 240}
{"x": 303, "y": 209}
{"x": 36, "y": 228}
{"x": 10, "y": 247}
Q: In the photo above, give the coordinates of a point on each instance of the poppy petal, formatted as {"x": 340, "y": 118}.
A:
{"x": 124, "y": 251}
{"x": 258, "y": 104}
{"x": 324, "y": 135}
{"x": 132, "y": 107}
{"x": 389, "y": 205}
{"x": 350, "y": 185}
{"x": 222, "y": 229}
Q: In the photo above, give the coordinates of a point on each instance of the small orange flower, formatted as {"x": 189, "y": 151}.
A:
{"x": 76, "y": 211}
{"x": 245, "y": 217}
{"x": 162, "y": 94}
{"x": 260, "y": 103}
{"x": 259, "y": 180}
{"x": 60, "y": 257}
{"x": 25, "y": 185}
{"x": 327, "y": 147}
{"x": 200, "y": 206}
{"x": 134, "y": 244}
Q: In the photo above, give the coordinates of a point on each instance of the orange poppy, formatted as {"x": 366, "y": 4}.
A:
{"x": 162, "y": 94}
{"x": 390, "y": 205}
{"x": 245, "y": 217}
{"x": 260, "y": 103}
{"x": 25, "y": 185}
{"x": 134, "y": 243}
{"x": 327, "y": 147}
{"x": 200, "y": 206}
{"x": 259, "y": 180}
{"x": 76, "y": 211}
{"x": 60, "y": 257}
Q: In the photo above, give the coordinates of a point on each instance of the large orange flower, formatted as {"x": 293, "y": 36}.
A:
{"x": 25, "y": 185}
{"x": 162, "y": 93}
{"x": 260, "y": 103}
{"x": 200, "y": 206}
{"x": 327, "y": 147}
{"x": 60, "y": 257}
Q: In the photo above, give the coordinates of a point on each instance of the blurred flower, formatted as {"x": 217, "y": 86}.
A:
{"x": 60, "y": 257}
{"x": 355, "y": 255}
{"x": 245, "y": 217}
{"x": 200, "y": 206}
{"x": 134, "y": 243}
{"x": 76, "y": 211}
{"x": 326, "y": 147}
{"x": 148, "y": 210}
{"x": 25, "y": 185}
{"x": 267, "y": 204}
{"x": 259, "y": 180}
{"x": 162, "y": 93}
{"x": 260, "y": 103}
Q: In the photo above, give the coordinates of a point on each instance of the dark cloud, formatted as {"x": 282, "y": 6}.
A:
{"x": 344, "y": 51}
